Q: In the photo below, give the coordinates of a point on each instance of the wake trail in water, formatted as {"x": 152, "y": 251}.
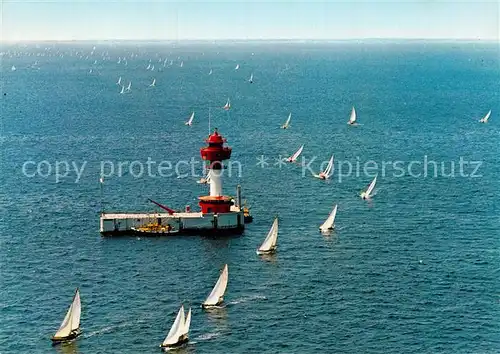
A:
{"x": 247, "y": 299}
{"x": 208, "y": 336}
{"x": 110, "y": 329}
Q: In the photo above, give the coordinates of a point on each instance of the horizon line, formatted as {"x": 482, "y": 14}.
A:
{"x": 2, "y": 40}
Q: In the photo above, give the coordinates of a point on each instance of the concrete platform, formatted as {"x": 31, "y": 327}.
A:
{"x": 183, "y": 222}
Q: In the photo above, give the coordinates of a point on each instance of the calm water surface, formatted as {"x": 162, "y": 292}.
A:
{"x": 414, "y": 271}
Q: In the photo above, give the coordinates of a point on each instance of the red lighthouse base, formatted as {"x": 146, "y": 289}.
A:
{"x": 216, "y": 205}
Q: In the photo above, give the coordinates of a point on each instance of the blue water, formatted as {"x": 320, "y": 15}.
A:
{"x": 414, "y": 271}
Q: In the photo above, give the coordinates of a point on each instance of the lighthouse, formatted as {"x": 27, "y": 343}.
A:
{"x": 215, "y": 154}
{"x": 219, "y": 214}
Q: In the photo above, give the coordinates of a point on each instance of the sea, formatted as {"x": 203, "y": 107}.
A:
{"x": 413, "y": 270}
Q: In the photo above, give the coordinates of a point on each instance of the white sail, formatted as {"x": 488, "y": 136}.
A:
{"x": 295, "y": 156}
{"x": 330, "y": 221}
{"x": 269, "y": 243}
{"x": 182, "y": 63}
{"x": 76, "y": 311}
{"x": 149, "y": 66}
{"x": 187, "y": 323}
{"x": 237, "y": 67}
{"x": 119, "y": 81}
{"x": 287, "y": 123}
{"x": 352, "y": 118}
{"x": 129, "y": 87}
{"x": 205, "y": 180}
{"x": 251, "y": 78}
{"x": 371, "y": 186}
{"x": 328, "y": 171}
{"x": 65, "y": 328}
{"x": 176, "y": 330}
{"x": 217, "y": 294}
{"x": 123, "y": 89}
{"x": 153, "y": 83}
{"x": 227, "y": 105}
{"x": 190, "y": 121}
{"x": 13, "y": 68}
{"x": 486, "y": 117}
{"x": 368, "y": 192}
{"x": 210, "y": 72}
{"x": 152, "y": 68}
{"x": 72, "y": 319}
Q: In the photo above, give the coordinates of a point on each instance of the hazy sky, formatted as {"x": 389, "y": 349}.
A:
{"x": 164, "y": 19}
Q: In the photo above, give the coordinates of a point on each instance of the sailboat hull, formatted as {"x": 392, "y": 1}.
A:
{"x": 271, "y": 251}
{"x": 182, "y": 340}
{"x": 216, "y": 306}
{"x": 327, "y": 230}
{"x": 71, "y": 336}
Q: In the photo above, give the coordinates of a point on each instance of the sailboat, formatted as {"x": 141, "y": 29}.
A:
{"x": 152, "y": 68}
{"x": 190, "y": 121}
{"x": 237, "y": 67}
{"x": 295, "y": 156}
{"x": 179, "y": 331}
{"x": 269, "y": 244}
{"x": 70, "y": 326}
{"x": 210, "y": 72}
{"x": 123, "y": 89}
{"x": 119, "y": 82}
{"x": 205, "y": 180}
{"x": 13, "y": 68}
{"x": 287, "y": 123}
{"x": 329, "y": 224}
{"x": 153, "y": 84}
{"x": 486, "y": 117}
{"x": 182, "y": 63}
{"x": 216, "y": 297}
{"x": 352, "y": 118}
{"x": 251, "y": 79}
{"x": 149, "y": 66}
{"x": 327, "y": 173}
{"x": 368, "y": 193}
{"x": 129, "y": 87}
{"x": 227, "y": 106}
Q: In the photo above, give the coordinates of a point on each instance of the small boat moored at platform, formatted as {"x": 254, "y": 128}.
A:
{"x": 154, "y": 229}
